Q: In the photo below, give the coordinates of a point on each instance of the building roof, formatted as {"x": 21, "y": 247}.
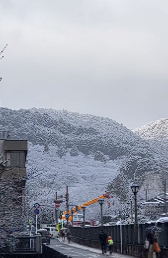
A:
{"x": 15, "y": 145}
{"x": 159, "y": 199}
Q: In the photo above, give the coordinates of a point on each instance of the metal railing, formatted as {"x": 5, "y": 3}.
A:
{"x": 125, "y": 231}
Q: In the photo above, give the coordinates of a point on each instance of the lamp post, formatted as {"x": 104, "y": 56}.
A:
{"x": 101, "y": 201}
{"x": 135, "y": 188}
{"x": 83, "y": 208}
{"x": 130, "y": 210}
{"x": 67, "y": 206}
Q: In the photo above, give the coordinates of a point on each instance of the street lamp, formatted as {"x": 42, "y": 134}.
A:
{"x": 83, "y": 208}
{"x": 135, "y": 188}
{"x": 101, "y": 201}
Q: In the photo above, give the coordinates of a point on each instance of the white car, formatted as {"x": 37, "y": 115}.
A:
{"x": 53, "y": 231}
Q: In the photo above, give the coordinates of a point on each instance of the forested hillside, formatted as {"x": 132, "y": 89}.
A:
{"x": 89, "y": 154}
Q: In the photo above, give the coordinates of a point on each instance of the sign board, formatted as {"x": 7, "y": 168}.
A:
{"x": 36, "y": 211}
{"x": 58, "y": 200}
{"x": 36, "y": 205}
{"x": 57, "y": 205}
{"x": 67, "y": 216}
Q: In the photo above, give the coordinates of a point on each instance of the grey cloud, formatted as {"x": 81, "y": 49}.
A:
{"x": 107, "y": 58}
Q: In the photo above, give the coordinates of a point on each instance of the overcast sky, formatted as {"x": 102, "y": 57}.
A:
{"x": 101, "y": 57}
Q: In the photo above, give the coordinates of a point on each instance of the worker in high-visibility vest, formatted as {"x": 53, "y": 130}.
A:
{"x": 58, "y": 228}
{"x": 110, "y": 244}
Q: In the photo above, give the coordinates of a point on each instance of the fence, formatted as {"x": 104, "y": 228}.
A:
{"x": 90, "y": 237}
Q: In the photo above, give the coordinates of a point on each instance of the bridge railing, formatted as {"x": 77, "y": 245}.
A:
{"x": 26, "y": 244}
{"x": 128, "y": 234}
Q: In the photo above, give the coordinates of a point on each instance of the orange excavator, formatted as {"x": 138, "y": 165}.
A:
{"x": 75, "y": 209}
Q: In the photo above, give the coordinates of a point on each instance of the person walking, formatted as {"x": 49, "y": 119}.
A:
{"x": 151, "y": 239}
{"x": 103, "y": 241}
{"x": 110, "y": 244}
{"x": 69, "y": 236}
{"x": 157, "y": 249}
{"x": 63, "y": 235}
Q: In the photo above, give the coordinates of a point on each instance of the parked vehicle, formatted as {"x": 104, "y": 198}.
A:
{"x": 53, "y": 231}
{"x": 45, "y": 235}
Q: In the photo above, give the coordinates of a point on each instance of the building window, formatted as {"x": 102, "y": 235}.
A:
{"x": 17, "y": 159}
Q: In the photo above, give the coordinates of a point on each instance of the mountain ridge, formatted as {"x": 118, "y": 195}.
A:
{"x": 67, "y": 148}
{"x": 58, "y": 127}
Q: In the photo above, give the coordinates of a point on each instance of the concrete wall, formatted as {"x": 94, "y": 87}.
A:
{"x": 14, "y": 152}
{"x": 49, "y": 252}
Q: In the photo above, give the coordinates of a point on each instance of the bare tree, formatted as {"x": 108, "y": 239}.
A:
{"x": 2, "y": 56}
{"x": 3, "y": 51}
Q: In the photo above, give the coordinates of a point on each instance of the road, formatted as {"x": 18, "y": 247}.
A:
{"x": 78, "y": 251}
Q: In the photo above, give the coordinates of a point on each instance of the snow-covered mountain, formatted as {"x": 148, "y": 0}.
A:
{"x": 156, "y": 133}
{"x": 89, "y": 154}
{"x": 154, "y": 130}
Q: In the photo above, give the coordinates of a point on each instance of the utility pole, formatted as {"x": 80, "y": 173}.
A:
{"x": 83, "y": 208}
{"x": 131, "y": 212}
{"x": 72, "y": 216}
{"x": 164, "y": 180}
{"x": 146, "y": 195}
{"x": 58, "y": 200}
{"x": 67, "y": 204}
{"x": 165, "y": 193}
{"x": 101, "y": 201}
{"x": 56, "y": 210}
